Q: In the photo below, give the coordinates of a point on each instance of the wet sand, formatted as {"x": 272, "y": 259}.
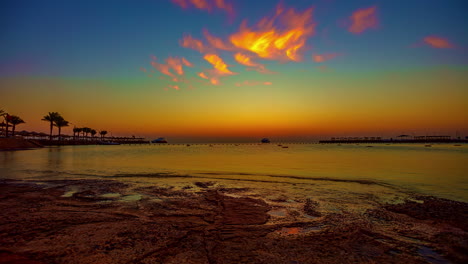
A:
{"x": 107, "y": 221}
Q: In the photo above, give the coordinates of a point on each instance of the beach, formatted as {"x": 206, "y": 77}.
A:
{"x": 108, "y": 221}
{"x": 231, "y": 203}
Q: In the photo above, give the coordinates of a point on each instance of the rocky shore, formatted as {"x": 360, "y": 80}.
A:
{"x": 106, "y": 221}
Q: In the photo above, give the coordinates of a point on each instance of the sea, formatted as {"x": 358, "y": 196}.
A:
{"x": 321, "y": 170}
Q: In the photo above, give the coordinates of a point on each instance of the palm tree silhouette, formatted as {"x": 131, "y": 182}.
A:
{"x": 51, "y": 117}
{"x": 60, "y": 122}
{"x": 4, "y": 114}
{"x": 14, "y": 121}
{"x": 93, "y": 132}
{"x": 76, "y": 130}
{"x": 102, "y": 133}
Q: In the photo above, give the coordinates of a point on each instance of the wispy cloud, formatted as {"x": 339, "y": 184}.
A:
{"x": 173, "y": 66}
{"x": 217, "y": 42}
{"x": 438, "y": 42}
{"x": 203, "y": 75}
{"x": 363, "y": 19}
{"x": 164, "y": 69}
{"x": 189, "y": 42}
{"x": 175, "y": 87}
{"x": 218, "y": 64}
{"x": 142, "y": 69}
{"x": 207, "y": 5}
{"x": 252, "y": 83}
{"x": 186, "y": 62}
{"x": 280, "y": 37}
{"x": 220, "y": 68}
{"x": 247, "y": 61}
{"x": 324, "y": 57}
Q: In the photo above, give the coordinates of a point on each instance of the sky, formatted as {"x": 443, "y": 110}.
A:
{"x": 225, "y": 70}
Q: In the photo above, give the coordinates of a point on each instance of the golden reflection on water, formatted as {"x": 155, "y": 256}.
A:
{"x": 440, "y": 170}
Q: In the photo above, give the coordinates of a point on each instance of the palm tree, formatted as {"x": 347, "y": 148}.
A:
{"x": 93, "y": 132}
{"x": 102, "y": 133}
{"x": 51, "y": 117}
{"x": 15, "y": 120}
{"x": 60, "y": 122}
{"x": 76, "y": 130}
{"x": 86, "y": 131}
{"x": 4, "y": 114}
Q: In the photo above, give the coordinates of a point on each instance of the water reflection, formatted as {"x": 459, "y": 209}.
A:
{"x": 439, "y": 170}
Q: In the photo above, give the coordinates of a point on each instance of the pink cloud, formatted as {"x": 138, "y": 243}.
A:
{"x": 207, "y": 5}
{"x": 252, "y": 83}
{"x": 438, "y": 42}
{"x": 192, "y": 43}
{"x": 363, "y": 19}
{"x": 323, "y": 57}
{"x": 142, "y": 69}
{"x": 175, "y": 87}
{"x": 186, "y": 62}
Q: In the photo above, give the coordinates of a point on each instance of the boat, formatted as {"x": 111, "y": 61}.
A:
{"x": 265, "y": 140}
{"x": 159, "y": 140}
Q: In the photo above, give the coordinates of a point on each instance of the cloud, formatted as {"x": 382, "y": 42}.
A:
{"x": 438, "y": 42}
{"x": 176, "y": 65}
{"x": 280, "y": 37}
{"x": 247, "y": 61}
{"x": 192, "y": 43}
{"x": 216, "y": 42}
{"x": 220, "y": 68}
{"x": 207, "y": 5}
{"x": 218, "y": 64}
{"x": 363, "y": 19}
{"x": 175, "y": 87}
{"x": 323, "y": 57}
{"x": 252, "y": 83}
{"x": 164, "y": 69}
{"x": 173, "y": 66}
{"x": 142, "y": 69}
{"x": 186, "y": 62}
{"x": 203, "y": 75}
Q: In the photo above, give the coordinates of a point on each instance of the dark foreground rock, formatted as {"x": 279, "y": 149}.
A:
{"x": 109, "y": 222}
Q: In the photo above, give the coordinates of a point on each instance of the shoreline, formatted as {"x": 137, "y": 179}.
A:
{"x": 84, "y": 221}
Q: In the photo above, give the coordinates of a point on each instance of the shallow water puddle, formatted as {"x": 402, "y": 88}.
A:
{"x": 431, "y": 256}
{"x": 278, "y": 212}
{"x": 70, "y": 192}
{"x": 131, "y": 198}
{"x": 298, "y": 230}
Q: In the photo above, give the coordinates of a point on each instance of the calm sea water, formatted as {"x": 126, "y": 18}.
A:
{"x": 439, "y": 170}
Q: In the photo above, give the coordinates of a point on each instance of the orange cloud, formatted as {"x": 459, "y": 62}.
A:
{"x": 173, "y": 65}
{"x": 174, "y": 87}
{"x": 252, "y": 83}
{"x": 216, "y": 42}
{"x": 363, "y": 19}
{"x": 164, "y": 69}
{"x": 192, "y": 43}
{"x": 323, "y": 57}
{"x": 438, "y": 42}
{"x": 247, "y": 61}
{"x": 280, "y": 37}
{"x": 186, "y": 62}
{"x": 218, "y": 64}
{"x": 203, "y": 75}
{"x": 206, "y": 5}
